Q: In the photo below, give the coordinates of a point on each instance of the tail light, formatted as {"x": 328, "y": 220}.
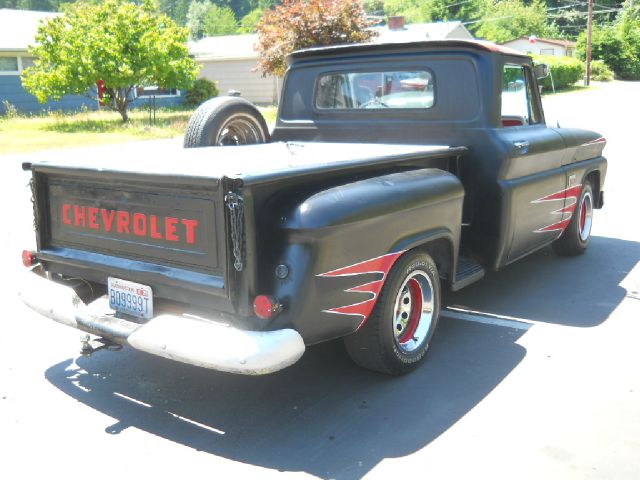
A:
{"x": 265, "y": 306}
{"x": 29, "y": 258}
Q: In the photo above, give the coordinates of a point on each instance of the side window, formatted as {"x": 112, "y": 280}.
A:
{"x": 518, "y": 99}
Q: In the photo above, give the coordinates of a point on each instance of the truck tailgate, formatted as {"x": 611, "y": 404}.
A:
{"x": 162, "y": 231}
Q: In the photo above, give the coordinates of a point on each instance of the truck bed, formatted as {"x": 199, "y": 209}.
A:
{"x": 161, "y": 219}
{"x": 251, "y": 163}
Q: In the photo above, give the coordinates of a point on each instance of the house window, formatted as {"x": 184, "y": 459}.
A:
{"x": 156, "y": 91}
{"x": 9, "y": 66}
{"x": 14, "y": 65}
{"x": 26, "y": 62}
{"x": 547, "y": 51}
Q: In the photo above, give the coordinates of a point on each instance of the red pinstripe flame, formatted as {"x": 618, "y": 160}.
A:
{"x": 376, "y": 265}
{"x": 561, "y": 195}
{"x": 597, "y": 140}
{"x": 381, "y": 265}
{"x": 569, "y": 209}
{"x": 363, "y": 308}
{"x": 568, "y": 193}
{"x": 556, "y": 226}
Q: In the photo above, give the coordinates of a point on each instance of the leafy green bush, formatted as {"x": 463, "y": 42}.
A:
{"x": 606, "y": 45}
{"x": 565, "y": 71}
{"x": 600, "y": 72}
{"x": 617, "y": 45}
{"x": 203, "y": 89}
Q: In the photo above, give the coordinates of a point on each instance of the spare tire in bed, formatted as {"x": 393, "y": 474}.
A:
{"x": 226, "y": 121}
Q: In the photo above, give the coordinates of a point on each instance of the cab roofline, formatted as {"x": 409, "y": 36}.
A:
{"x": 366, "y": 48}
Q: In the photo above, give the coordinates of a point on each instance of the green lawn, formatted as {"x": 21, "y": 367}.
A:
{"x": 57, "y": 130}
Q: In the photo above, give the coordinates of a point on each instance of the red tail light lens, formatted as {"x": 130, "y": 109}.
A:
{"x": 266, "y": 306}
{"x": 29, "y": 258}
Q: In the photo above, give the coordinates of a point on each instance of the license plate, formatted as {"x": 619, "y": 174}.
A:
{"x": 130, "y": 297}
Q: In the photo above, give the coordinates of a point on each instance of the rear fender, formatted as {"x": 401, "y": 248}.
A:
{"x": 342, "y": 243}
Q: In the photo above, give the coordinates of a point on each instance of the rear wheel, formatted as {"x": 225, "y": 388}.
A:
{"x": 398, "y": 333}
{"x": 226, "y": 121}
{"x": 575, "y": 239}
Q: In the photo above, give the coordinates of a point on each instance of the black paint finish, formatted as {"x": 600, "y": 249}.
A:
{"x": 316, "y": 205}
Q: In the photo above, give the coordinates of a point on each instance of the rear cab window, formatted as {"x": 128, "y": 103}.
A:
{"x": 403, "y": 89}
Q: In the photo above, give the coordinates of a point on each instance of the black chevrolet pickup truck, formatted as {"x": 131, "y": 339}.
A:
{"x": 393, "y": 172}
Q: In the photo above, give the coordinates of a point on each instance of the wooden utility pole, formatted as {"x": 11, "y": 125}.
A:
{"x": 589, "y": 30}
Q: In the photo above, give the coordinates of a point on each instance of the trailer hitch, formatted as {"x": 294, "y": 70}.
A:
{"x": 92, "y": 345}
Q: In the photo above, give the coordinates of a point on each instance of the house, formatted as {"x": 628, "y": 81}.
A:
{"x": 18, "y": 29}
{"x": 543, "y": 46}
{"x": 232, "y": 61}
{"x": 396, "y": 31}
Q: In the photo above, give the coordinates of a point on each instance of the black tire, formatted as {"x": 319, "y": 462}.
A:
{"x": 575, "y": 239}
{"x": 226, "y": 121}
{"x": 386, "y": 344}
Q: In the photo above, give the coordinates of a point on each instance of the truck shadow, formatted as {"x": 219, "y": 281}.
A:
{"x": 322, "y": 416}
{"x": 577, "y": 291}
{"x": 328, "y": 418}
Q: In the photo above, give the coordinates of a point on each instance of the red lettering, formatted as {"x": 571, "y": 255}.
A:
{"x": 155, "y": 233}
{"x": 123, "y": 222}
{"x": 65, "y": 213}
{"x": 190, "y": 225}
{"x": 93, "y": 218}
{"x": 80, "y": 214}
{"x": 170, "y": 229}
{"x": 140, "y": 224}
{"x": 107, "y": 219}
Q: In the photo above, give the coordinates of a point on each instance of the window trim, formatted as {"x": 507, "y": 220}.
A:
{"x": 535, "y": 102}
{"x": 347, "y": 111}
{"x": 176, "y": 95}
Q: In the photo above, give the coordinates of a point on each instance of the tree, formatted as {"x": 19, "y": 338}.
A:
{"x": 220, "y": 21}
{"x": 196, "y": 17}
{"x": 301, "y": 24}
{"x": 176, "y": 9}
{"x": 424, "y": 11}
{"x": 505, "y": 20}
{"x": 116, "y": 42}
{"x": 618, "y": 45}
{"x": 606, "y": 45}
{"x": 249, "y": 22}
{"x": 629, "y": 31}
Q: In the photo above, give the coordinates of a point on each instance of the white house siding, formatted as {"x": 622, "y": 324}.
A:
{"x": 540, "y": 47}
{"x": 239, "y": 74}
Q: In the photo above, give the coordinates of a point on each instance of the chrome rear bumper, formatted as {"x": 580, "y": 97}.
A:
{"x": 206, "y": 342}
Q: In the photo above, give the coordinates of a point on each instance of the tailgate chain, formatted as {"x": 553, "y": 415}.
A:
{"x": 32, "y": 186}
{"x": 235, "y": 204}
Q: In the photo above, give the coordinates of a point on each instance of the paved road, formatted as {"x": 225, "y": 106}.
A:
{"x": 547, "y": 387}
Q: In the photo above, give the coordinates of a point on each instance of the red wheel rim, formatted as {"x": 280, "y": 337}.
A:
{"x": 413, "y": 312}
{"x": 416, "y": 311}
{"x": 586, "y": 215}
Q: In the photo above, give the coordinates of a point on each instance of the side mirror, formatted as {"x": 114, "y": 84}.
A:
{"x": 541, "y": 70}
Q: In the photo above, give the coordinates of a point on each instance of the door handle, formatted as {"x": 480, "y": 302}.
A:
{"x": 522, "y": 146}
